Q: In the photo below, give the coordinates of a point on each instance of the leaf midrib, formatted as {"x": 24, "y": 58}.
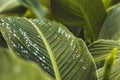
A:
{"x": 87, "y": 22}
{"x": 50, "y": 52}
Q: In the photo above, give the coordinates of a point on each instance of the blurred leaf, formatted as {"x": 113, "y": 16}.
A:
{"x": 16, "y": 11}
{"x": 115, "y": 72}
{"x": 111, "y": 26}
{"x": 14, "y": 68}
{"x": 8, "y": 4}
{"x": 109, "y": 3}
{"x": 36, "y": 7}
{"x": 81, "y": 13}
{"x": 71, "y": 54}
{"x": 101, "y": 49}
{"x": 109, "y": 61}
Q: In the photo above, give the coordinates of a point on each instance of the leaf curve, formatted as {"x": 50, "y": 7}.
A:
{"x": 100, "y": 49}
{"x": 36, "y": 7}
{"x": 14, "y": 68}
{"x": 111, "y": 26}
{"x": 71, "y": 53}
{"x": 81, "y": 13}
{"x": 109, "y": 3}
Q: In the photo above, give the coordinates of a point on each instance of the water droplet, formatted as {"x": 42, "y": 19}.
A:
{"x": 38, "y": 36}
{"x": 44, "y": 61}
{"x": 9, "y": 37}
{"x": 59, "y": 30}
{"x": 43, "y": 64}
{"x": 9, "y": 19}
{"x": 83, "y": 67}
{"x": 58, "y": 38}
{"x": 40, "y": 58}
{"x": 13, "y": 44}
{"x": 48, "y": 68}
{"x": 81, "y": 61}
{"x": 28, "y": 45}
{"x": 35, "y": 54}
{"x": 24, "y": 51}
{"x": 45, "y": 67}
{"x": 43, "y": 57}
{"x": 72, "y": 42}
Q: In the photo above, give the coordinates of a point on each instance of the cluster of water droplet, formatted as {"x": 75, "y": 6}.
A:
{"x": 11, "y": 31}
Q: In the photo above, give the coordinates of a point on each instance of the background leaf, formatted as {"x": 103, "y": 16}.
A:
{"x": 36, "y": 7}
{"x": 8, "y": 4}
{"x": 101, "y": 49}
{"x": 109, "y": 3}
{"x": 111, "y": 26}
{"x": 14, "y": 68}
{"x": 115, "y": 72}
{"x": 72, "y": 56}
{"x": 81, "y": 13}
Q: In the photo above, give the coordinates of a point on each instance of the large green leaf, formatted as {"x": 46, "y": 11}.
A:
{"x": 88, "y": 14}
{"x": 15, "y": 68}
{"x": 109, "y": 3}
{"x": 101, "y": 49}
{"x": 111, "y": 26}
{"x": 42, "y": 41}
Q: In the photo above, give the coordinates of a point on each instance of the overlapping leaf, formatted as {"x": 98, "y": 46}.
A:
{"x": 111, "y": 26}
{"x": 14, "y": 68}
{"x": 73, "y": 59}
{"x": 100, "y": 50}
{"x": 8, "y": 4}
{"x": 36, "y": 7}
{"x": 109, "y": 3}
{"x": 81, "y": 13}
{"x": 115, "y": 73}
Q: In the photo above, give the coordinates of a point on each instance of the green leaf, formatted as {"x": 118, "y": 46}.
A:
{"x": 101, "y": 49}
{"x": 39, "y": 39}
{"x": 36, "y": 7}
{"x": 111, "y": 26}
{"x": 15, "y": 68}
{"x": 81, "y": 13}
{"x": 109, "y": 3}
{"x": 11, "y": 7}
{"x": 8, "y": 4}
